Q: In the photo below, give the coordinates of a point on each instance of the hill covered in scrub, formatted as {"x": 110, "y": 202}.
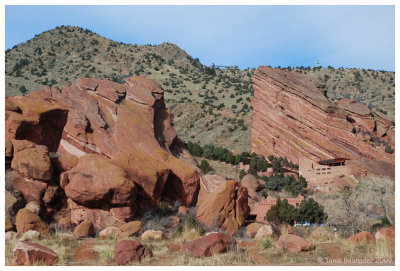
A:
{"x": 210, "y": 105}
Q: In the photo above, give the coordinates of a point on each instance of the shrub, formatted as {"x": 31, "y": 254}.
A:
{"x": 205, "y": 166}
{"x": 265, "y": 242}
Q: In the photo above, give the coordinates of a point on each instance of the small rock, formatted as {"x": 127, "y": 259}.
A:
{"x": 293, "y": 243}
{"x": 267, "y": 230}
{"x": 127, "y": 251}
{"x": 251, "y": 229}
{"x": 85, "y": 229}
{"x": 30, "y": 235}
{"x": 214, "y": 243}
{"x": 111, "y": 232}
{"x": 27, "y": 253}
{"x": 151, "y": 234}
{"x": 131, "y": 228}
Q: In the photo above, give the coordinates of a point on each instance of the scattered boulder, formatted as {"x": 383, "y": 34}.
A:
{"x": 110, "y": 232}
{"x": 30, "y": 235}
{"x": 33, "y": 190}
{"x": 27, "y": 220}
{"x": 386, "y": 234}
{"x": 251, "y": 229}
{"x": 27, "y": 253}
{"x": 294, "y": 243}
{"x": 362, "y": 238}
{"x": 131, "y": 228}
{"x": 151, "y": 234}
{"x": 321, "y": 234}
{"x": 214, "y": 243}
{"x": 95, "y": 181}
{"x": 267, "y": 230}
{"x": 85, "y": 229}
{"x": 225, "y": 207}
{"x": 128, "y": 251}
{"x": 33, "y": 163}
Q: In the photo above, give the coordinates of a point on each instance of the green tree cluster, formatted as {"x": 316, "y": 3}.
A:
{"x": 308, "y": 211}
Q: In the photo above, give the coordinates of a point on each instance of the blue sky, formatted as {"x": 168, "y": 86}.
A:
{"x": 248, "y": 36}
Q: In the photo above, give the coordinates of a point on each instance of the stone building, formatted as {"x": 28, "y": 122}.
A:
{"x": 325, "y": 175}
{"x": 261, "y": 208}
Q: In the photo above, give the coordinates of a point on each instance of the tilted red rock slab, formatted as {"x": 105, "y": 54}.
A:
{"x": 27, "y": 253}
{"x": 225, "y": 207}
{"x": 293, "y": 119}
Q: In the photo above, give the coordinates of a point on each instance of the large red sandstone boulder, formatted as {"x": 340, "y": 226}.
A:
{"x": 225, "y": 207}
{"x": 292, "y": 118}
{"x": 128, "y": 251}
{"x": 362, "y": 237}
{"x": 293, "y": 243}
{"x": 386, "y": 234}
{"x": 211, "y": 244}
{"x": 85, "y": 229}
{"x": 27, "y": 220}
{"x": 27, "y": 253}
{"x": 32, "y": 190}
{"x": 208, "y": 183}
{"x": 95, "y": 181}
{"x": 33, "y": 163}
{"x": 35, "y": 119}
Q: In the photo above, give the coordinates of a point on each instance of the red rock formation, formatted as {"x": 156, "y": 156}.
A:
{"x": 225, "y": 207}
{"x": 293, "y": 119}
{"x": 130, "y": 125}
{"x": 117, "y": 149}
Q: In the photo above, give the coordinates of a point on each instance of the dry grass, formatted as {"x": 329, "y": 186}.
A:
{"x": 233, "y": 257}
{"x": 374, "y": 251}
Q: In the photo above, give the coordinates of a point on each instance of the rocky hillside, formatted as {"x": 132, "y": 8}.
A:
{"x": 293, "y": 118}
{"x": 210, "y": 106}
